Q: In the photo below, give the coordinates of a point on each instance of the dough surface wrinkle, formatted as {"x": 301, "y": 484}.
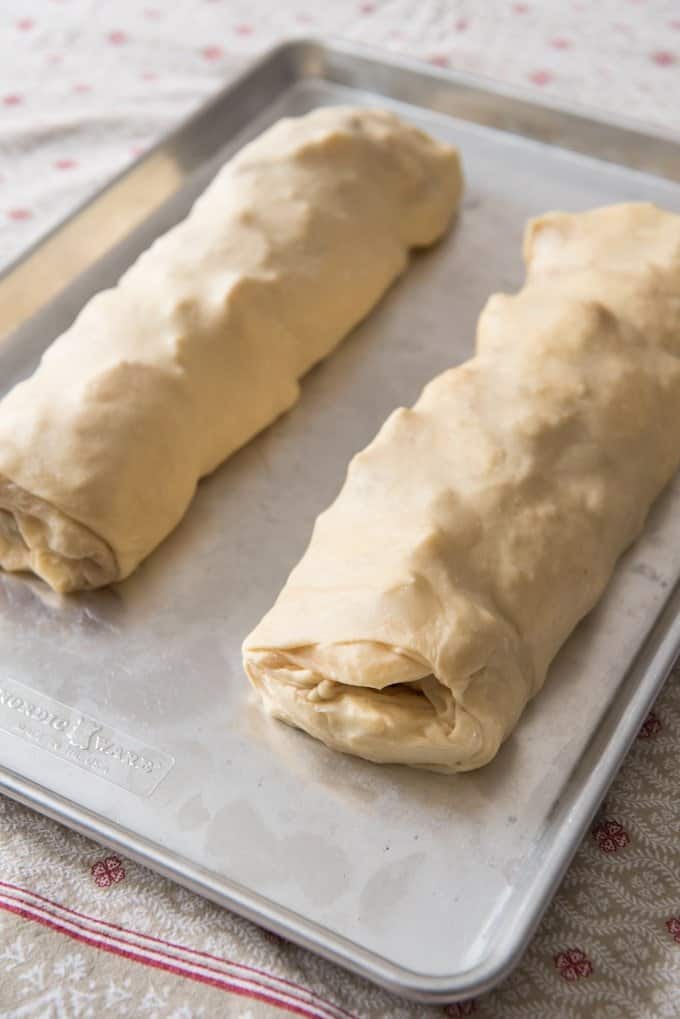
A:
{"x": 204, "y": 339}
{"x": 478, "y": 528}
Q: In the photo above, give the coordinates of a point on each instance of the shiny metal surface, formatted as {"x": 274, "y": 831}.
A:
{"x": 431, "y": 885}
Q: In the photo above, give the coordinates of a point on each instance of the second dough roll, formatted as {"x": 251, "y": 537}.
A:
{"x": 202, "y": 342}
{"x": 481, "y": 525}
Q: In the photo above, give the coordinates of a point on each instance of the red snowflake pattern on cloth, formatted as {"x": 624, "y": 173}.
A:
{"x": 12, "y": 100}
{"x": 19, "y": 214}
{"x": 664, "y": 59}
{"x": 117, "y": 38}
{"x": 107, "y": 872}
{"x": 610, "y": 836}
{"x": 651, "y": 726}
{"x": 573, "y": 964}
{"x": 212, "y": 53}
{"x": 461, "y": 1008}
{"x": 541, "y": 77}
{"x": 673, "y": 928}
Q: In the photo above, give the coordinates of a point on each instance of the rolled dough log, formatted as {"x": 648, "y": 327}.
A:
{"x": 478, "y": 527}
{"x": 203, "y": 340}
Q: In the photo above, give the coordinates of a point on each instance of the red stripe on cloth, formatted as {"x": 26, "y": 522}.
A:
{"x": 247, "y": 986}
{"x": 137, "y": 951}
{"x": 314, "y": 998}
{"x": 223, "y": 985}
{"x": 310, "y": 997}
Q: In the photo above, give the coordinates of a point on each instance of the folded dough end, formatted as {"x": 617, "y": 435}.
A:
{"x": 373, "y": 701}
{"x": 36, "y": 536}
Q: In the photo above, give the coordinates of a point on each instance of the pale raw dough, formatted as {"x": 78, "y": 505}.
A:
{"x": 477, "y": 529}
{"x": 203, "y": 340}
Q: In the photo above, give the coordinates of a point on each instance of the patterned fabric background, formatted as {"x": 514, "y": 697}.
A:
{"x": 86, "y": 86}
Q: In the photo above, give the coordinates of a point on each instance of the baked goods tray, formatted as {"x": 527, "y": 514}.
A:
{"x": 125, "y": 712}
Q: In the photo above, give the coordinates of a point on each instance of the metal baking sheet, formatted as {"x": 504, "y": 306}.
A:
{"x": 125, "y": 713}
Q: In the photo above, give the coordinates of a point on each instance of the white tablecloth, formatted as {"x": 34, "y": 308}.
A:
{"x": 85, "y": 86}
